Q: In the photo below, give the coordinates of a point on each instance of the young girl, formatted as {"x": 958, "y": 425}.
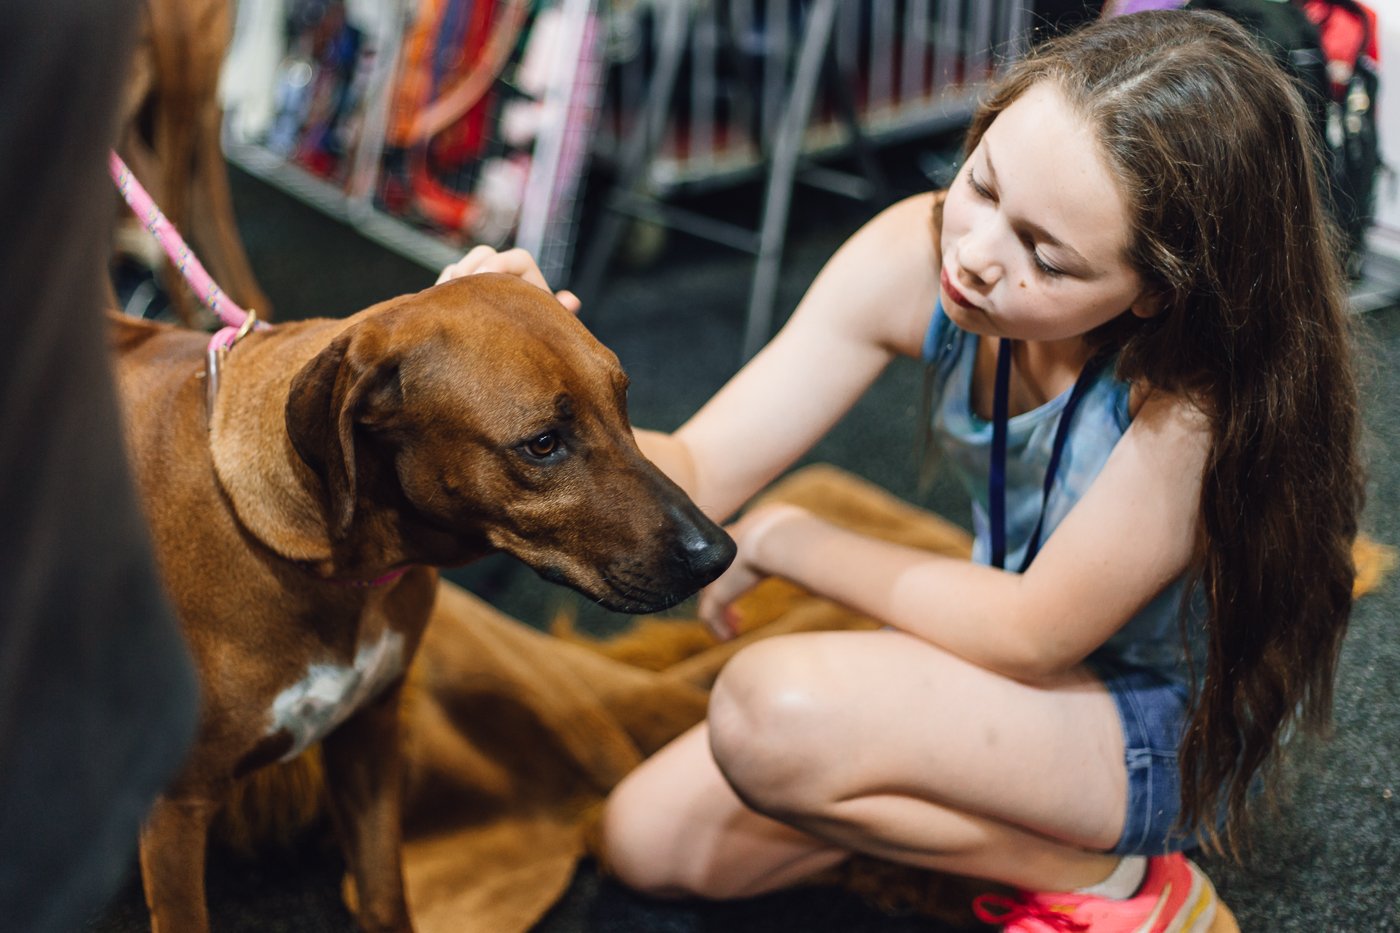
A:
{"x": 1131, "y": 305}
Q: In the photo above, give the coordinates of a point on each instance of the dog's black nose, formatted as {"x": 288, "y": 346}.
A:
{"x": 704, "y": 548}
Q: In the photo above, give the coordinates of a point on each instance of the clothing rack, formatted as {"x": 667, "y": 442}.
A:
{"x": 325, "y": 100}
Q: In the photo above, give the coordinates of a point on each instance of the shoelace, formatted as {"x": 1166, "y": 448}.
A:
{"x": 999, "y": 910}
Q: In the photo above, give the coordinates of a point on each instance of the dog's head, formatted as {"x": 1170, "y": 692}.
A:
{"x": 479, "y": 415}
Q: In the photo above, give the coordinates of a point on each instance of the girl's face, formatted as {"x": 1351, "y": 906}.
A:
{"x": 1035, "y": 230}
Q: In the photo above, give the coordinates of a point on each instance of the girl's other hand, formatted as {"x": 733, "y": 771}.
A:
{"x": 752, "y": 564}
{"x": 515, "y": 262}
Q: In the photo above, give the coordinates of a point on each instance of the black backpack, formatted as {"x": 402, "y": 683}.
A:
{"x": 1344, "y": 121}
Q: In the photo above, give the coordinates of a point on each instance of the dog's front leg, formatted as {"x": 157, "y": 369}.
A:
{"x": 173, "y": 842}
{"x": 362, "y": 760}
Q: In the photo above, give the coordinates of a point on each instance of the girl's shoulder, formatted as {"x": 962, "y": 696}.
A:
{"x": 1169, "y": 414}
{"x": 882, "y": 283}
{"x": 914, "y": 231}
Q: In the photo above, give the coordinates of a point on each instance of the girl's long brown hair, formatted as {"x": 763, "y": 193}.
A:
{"x": 1212, "y": 151}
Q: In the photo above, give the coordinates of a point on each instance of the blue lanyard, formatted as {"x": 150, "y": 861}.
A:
{"x": 996, "y": 504}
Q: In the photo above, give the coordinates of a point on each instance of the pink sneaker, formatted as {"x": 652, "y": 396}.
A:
{"x": 1175, "y": 897}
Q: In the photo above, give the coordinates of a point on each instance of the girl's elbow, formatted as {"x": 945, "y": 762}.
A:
{"x": 1036, "y": 660}
{"x": 1028, "y": 668}
{"x": 1046, "y": 668}
{"x": 1045, "y": 639}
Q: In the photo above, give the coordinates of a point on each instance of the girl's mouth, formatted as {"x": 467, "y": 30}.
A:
{"x": 952, "y": 292}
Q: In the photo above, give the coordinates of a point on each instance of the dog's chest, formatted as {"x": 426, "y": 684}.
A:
{"x": 310, "y": 708}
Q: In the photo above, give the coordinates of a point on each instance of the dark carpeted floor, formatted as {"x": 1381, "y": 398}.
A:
{"x": 1328, "y": 859}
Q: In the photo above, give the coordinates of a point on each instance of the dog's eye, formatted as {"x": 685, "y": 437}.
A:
{"x": 543, "y": 445}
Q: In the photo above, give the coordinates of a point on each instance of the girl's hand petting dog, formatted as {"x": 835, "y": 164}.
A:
{"x": 515, "y": 262}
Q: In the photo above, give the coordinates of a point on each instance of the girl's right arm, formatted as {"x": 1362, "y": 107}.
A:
{"x": 872, "y": 300}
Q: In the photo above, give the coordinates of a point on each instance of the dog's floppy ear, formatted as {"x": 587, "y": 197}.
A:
{"x": 352, "y": 382}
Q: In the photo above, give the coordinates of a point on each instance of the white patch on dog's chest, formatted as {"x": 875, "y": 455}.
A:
{"x": 310, "y": 708}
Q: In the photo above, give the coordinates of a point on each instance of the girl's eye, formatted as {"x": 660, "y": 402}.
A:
{"x": 543, "y": 445}
{"x": 981, "y": 190}
{"x": 1045, "y": 267}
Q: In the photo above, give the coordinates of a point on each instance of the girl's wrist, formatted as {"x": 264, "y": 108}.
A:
{"x": 776, "y": 532}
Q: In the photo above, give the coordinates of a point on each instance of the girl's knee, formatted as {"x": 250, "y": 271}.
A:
{"x": 766, "y": 718}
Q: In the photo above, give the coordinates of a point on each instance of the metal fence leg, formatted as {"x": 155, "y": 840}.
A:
{"x": 640, "y": 148}
{"x": 787, "y": 149}
{"x": 839, "y": 81}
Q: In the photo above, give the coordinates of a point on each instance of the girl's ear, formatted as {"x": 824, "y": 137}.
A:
{"x": 1148, "y": 304}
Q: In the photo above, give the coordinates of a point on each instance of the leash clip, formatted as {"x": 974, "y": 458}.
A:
{"x": 213, "y": 364}
{"x": 249, "y": 322}
{"x": 214, "y": 357}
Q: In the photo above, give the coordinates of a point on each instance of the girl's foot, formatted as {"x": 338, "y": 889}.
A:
{"x": 1175, "y": 897}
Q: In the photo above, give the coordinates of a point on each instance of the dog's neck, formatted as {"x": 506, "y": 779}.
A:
{"x": 276, "y": 496}
{"x": 281, "y": 500}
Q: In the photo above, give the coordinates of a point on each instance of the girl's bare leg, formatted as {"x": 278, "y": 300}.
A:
{"x": 877, "y": 742}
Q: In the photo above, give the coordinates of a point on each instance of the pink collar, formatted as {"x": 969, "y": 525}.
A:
{"x": 386, "y": 579}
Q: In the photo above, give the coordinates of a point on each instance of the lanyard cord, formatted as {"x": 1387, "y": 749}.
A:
{"x": 996, "y": 484}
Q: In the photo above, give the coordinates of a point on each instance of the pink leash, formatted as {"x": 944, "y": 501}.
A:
{"x": 238, "y": 322}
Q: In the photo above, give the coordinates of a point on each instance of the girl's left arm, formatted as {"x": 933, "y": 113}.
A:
{"x": 1133, "y": 532}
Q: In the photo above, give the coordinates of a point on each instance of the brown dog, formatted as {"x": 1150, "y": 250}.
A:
{"x": 426, "y": 431}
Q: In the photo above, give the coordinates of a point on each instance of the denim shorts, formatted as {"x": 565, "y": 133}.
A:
{"x": 1153, "y": 711}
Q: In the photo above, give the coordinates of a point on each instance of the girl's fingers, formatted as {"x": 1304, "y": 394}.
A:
{"x": 569, "y": 300}
{"x": 722, "y": 627}
{"x": 718, "y": 619}
{"x": 473, "y": 261}
{"x": 717, "y": 601}
{"x": 516, "y": 262}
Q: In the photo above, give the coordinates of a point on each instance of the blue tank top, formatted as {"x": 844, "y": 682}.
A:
{"x": 1151, "y": 638}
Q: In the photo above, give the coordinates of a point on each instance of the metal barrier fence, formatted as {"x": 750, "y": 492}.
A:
{"x": 703, "y": 92}
{"x": 342, "y": 104}
{"x": 913, "y": 67}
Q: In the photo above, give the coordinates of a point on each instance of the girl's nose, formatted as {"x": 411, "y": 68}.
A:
{"x": 977, "y": 264}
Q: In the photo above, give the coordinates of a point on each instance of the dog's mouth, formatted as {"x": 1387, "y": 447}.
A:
{"x": 617, "y": 594}
{"x": 636, "y": 574}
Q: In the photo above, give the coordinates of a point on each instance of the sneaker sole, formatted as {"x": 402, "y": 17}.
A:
{"x": 1224, "y": 921}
